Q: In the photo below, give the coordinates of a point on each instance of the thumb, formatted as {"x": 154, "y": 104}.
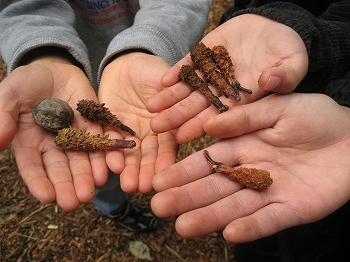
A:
{"x": 9, "y": 112}
{"x": 8, "y": 129}
{"x": 281, "y": 79}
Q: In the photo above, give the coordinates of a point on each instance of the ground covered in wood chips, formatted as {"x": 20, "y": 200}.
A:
{"x": 31, "y": 231}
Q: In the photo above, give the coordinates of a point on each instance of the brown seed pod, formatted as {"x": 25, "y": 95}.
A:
{"x": 250, "y": 177}
{"x": 98, "y": 112}
{"x": 202, "y": 56}
{"x": 189, "y": 75}
{"x": 224, "y": 62}
{"x": 53, "y": 114}
{"x": 74, "y": 139}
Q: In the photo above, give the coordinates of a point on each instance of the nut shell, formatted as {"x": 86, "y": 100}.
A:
{"x": 53, "y": 114}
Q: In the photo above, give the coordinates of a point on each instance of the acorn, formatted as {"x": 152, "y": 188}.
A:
{"x": 53, "y": 114}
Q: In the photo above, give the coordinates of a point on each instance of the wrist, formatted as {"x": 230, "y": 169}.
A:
{"x": 127, "y": 57}
{"x": 130, "y": 52}
{"x": 50, "y": 54}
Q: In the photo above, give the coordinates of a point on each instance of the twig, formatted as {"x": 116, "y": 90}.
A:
{"x": 174, "y": 252}
{"x": 29, "y": 237}
{"x": 33, "y": 213}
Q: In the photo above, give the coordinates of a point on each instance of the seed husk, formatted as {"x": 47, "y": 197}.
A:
{"x": 53, "y": 114}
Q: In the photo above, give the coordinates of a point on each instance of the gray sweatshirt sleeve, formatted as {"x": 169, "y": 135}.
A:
{"x": 166, "y": 28}
{"x": 27, "y": 25}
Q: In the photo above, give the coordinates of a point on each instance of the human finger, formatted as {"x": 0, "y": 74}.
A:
{"x": 168, "y": 97}
{"x": 246, "y": 118}
{"x": 285, "y": 77}
{"x": 172, "y": 76}
{"x": 8, "y": 130}
{"x": 200, "y": 193}
{"x": 158, "y": 151}
{"x": 30, "y": 166}
{"x": 167, "y": 151}
{"x": 81, "y": 172}
{"x": 187, "y": 170}
{"x": 9, "y": 113}
{"x": 149, "y": 151}
{"x": 59, "y": 173}
{"x": 99, "y": 167}
{"x": 264, "y": 222}
{"x": 195, "y": 166}
{"x": 47, "y": 174}
{"x": 178, "y": 114}
{"x": 129, "y": 177}
{"x": 218, "y": 215}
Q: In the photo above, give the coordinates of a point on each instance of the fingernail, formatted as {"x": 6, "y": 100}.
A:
{"x": 273, "y": 83}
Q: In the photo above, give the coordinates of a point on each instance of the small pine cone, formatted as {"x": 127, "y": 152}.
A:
{"x": 98, "y": 112}
{"x": 251, "y": 177}
{"x": 224, "y": 62}
{"x": 73, "y": 139}
{"x": 189, "y": 75}
{"x": 201, "y": 55}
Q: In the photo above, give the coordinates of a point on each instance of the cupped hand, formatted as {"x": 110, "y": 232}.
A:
{"x": 126, "y": 84}
{"x": 267, "y": 55}
{"x": 49, "y": 172}
{"x": 302, "y": 140}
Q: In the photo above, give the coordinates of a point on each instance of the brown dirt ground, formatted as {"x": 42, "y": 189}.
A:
{"x": 31, "y": 231}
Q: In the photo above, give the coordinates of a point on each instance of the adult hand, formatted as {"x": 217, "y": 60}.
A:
{"x": 268, "y": 56}
{"x": 127, "y": 82}
{"x": 302, "y": 140}
{"x": 49, "y": 172}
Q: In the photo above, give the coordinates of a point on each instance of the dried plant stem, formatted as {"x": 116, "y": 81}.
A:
{"x": 32, "y": 214}
{"x": 174, "y": 253}
{"x": 74, "y": 139}
{"x": 189, "y": 75}
{"x": 250, "y": 177}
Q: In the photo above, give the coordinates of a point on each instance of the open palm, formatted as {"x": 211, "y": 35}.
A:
{"x": 262, "y": 50}
{"x": 49, "y": 172}
{"x": 302, "y": 145}
{"x": 126, "y": 84}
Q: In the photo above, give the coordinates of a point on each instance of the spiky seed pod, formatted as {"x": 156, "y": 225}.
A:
{"x": 53, "y": 114}
{"x": 224, "y": 62}
{"x": 189, "y": 75}
{"x": 74, "y": 139}
{"x": 250, "y": 177}
{"x": 98, "y": 112}
{"x": 202, "y": 56}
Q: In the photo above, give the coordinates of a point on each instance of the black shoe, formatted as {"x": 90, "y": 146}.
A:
{"x": 134, "y": 219}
